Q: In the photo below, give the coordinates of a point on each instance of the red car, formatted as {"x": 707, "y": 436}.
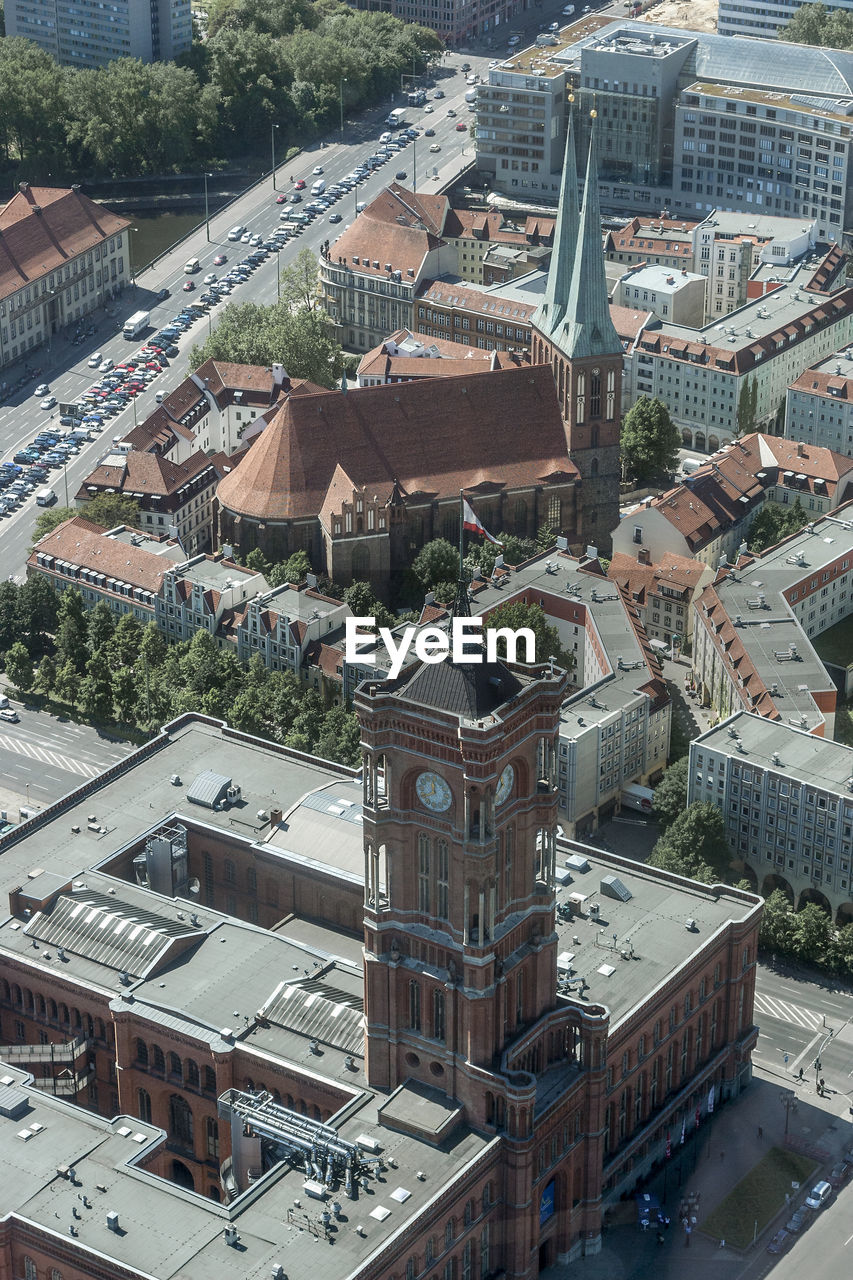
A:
{"x": 461, "y": 128}
{"x": 299, "y": 184}
{"x": 219, "y": 259}
{"x": 189, "y": 285}
{"x": 281, "y": 199}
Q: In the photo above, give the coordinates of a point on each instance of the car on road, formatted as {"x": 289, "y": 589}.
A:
{"x": 429, "y": 133}
{"x": 451, "y": 113}
{"x": 49, "y": 402}
{"x": 42, "y": 389}
{"x": 281, "y": 199}
{"x": 334, "y": 217}
{"x": 296, "y": 197}
{"x": 299, "y": 184}
{"x": 219, "y": 259}
{"x": 255, "y": 240}
{"x": 435, "y": 147}
{"x": 189, "y": 285}
{"x": 819, "y": 1195}
{"x": 429, "y": 108}
{"x": 401, "y": 175}
{"x": 553, "y": 26}
{"x": 105, "y": 365}
{"x": 9, "y": 714}
{"x": 162, "y": 295}
{"x": 246, "y": 238}
{"x": 211, "y": 277}
{"x": 439, "y": 93}
{"x": 461, "y": 127}
{"x": 318, "y": 169}
{"x": 780, "y": 1241}
{"x": 466, "y": 66}
{"x": 94, "y": 360}
{"x": 840, "y": 1173}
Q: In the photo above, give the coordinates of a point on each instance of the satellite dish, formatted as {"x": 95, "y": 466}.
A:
{"x": 193, "y": 887}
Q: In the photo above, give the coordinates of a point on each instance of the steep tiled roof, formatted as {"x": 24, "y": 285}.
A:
{"x": 434, "y": 436}
{"x": 654, "y": 236}
{"x": 32, "y": 244}
{"x": 453, "y": 357}
{"x": 641, "y": 580}
{"x": 492, "y": 227}
{"x": 146, "y": 473}
{"x": 397, "y": 228}
{"x": 80, "y": 542}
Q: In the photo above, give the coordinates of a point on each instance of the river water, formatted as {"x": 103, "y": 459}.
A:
{"x": 153, "y": 233}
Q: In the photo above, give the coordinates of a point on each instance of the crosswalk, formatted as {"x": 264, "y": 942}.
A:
{"x": 785, "y": 1012}
{"x": 44, "y": 756}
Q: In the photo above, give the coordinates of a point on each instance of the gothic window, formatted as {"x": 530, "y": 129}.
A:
{"x": 143, "y": 1104}
{"x": 611, "y": 395}
{"x": 442, "y": 871}
{"x": 415, "y": 1005}
{"x": 509, "y": 840}
{"x": 423, "y": 874}
{"x": 211, "y": 1128}
{"x": 209, "y": 1080}
{"x": 595, "y": 394}
{"x": 580, "y": 398}
{"x": 229, "y": 872}
{"x": 175, "y": 1066}
{"x": 519, "y": 999}
{"x": 484, "y": 1250}
{"x": 158, "y": 1062}
{"x": 142, "y": 1053}
{"x": 466, "y": 1261}
{"x": 192, "y": 1074}
{"x": 553, "y": 520}
{"x": 449, "y": 1232}
{"x": 30, "y": 1269}
{"x": 520, "y": 515}
{"x": 438, "y": 1028}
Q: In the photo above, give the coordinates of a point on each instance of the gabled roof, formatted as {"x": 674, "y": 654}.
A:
{"x": 80, "y": 542}
{"x": 42, "y": 228}
{"x": 433, "y": 436}
{"x": 397, "y": 229}
{"x": 149, "y": 474}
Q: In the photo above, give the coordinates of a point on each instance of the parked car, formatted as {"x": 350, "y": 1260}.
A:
{"x": 840, "y": 1173}
{"x": 780, "y": 1241}
{"x": 219, "y": 259}
{"x": 49, "y": 402}
{"x": 819, "y": 1195}
{"x": 9, "y": 714}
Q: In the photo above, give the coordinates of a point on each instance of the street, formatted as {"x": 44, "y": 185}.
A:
{"x": 65, "y": 368}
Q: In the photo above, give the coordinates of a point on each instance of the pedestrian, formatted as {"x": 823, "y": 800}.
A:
{"x": 687, "y": 1237}
{"x": 685, "y": 1223}
{"x": 721, "y": 1245}
{"x": 760, "y": 1132}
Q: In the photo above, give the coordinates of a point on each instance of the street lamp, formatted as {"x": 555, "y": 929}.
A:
{"x": 207, "y": 206}
{"x": 273, "y": 128}
{"x": 789, "y": 1101}
{"x": 130, "y": 254}
{"x": 343, "y": 82}
{"x": 414, "y": 164}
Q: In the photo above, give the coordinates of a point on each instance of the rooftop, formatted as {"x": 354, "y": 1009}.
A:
{"x": 784, "y": 750}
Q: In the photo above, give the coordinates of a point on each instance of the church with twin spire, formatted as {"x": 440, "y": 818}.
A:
{"x": 572, "y": 331}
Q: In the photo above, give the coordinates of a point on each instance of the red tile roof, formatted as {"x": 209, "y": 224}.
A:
{"x": 80, "y": 542}
{"x": 434, "y": 436}
{"x": 147, "y": 473}
{"x": 43, "y": 228}
{"x": 397, "y": 228}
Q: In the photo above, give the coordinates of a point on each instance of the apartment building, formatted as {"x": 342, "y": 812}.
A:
{"x": 690, "y": 122}
{"x": 406, "y": 355}
{"x": 286, "y": 624}
{"x": 63, "y": 256}
{"x": 676, "y": 296}
{"x": 818, "y": 408}
{"x": 707, "y": 517}
{"x": 175, "y": 498}
{"x": 787, "y": 801}
{"x": 758, "y": 626}
{"x": 456, "y": 21}
{"x": 89, "y": 34}
{"x": 663, "y": 593}
{"x": 205, "y": 592}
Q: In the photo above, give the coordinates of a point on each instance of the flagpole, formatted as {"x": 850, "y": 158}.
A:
{"x": 461, "y": 530}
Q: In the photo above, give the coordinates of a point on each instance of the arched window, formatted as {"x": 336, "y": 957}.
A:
{"x": 29, "y": 1002}
{"x": 181, "y": 1121}
{"x": 17, "y": 996}
{"x": 438, "y": 1014}
{"x": 55, "y": 1274}
{"x": 595, "y": 395}
{"x": 143, "y": 1104}
{"x": 594, "y": 467}
{"x": 142, "y": 1053}
{"x": 229, "y": 871}
{"x": 442, "y": 879}
{"x": 100, "y": 1029}
{"x": 76, "y": 1019}
{"x": 41, "y": 1007}
{"x": 411, "y": 1268}
{"x": 423, "y": 874}
{"x": 487, "y": 1196}
{"x": 176, "y": 1067}
{"x": 51, "y": 1009}
{"x": 251, "y": 880}
{"x": 611, "y": 395}
{"x": 4, "y": 990}
{"x": 192, "y": 1076}
{"x": 158, "y": 1062}
{"x": 580, "y": 392}
{"x": 211, "y": 1134}
{"x": 30, "y": 1269}
{"x": 209, "y": 1080}
{"x": 469, "y": 1212}
{"x": 415, "y": 1005}
{"x": 449, "y": 1232}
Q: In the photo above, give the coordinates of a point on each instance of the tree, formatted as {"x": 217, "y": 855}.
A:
{"x": 126, "y": 641}
{"x": 9, "y": 626}
{"x": 125, "y": 693}
{"x": 811, "y": 934}
{"x": 46, "y": 675}
{"x": 340, "y": 737}
{"x": 649, "y": 440}
{"x": 71, "y": 629}
{"x": 671, "y": 793}
{"x": 19, "y": 667}
{"x": 437, "y": 561}
{"x": 773, "y": 523}
{"x": 747, "y": 406}
{"x": 365, "y": 604}
{"x": 257, "y": 562}
{"x": 299, "y": 281}
{"x": 96, "y": 695}
{"x": 814, "y": 24}
{"x": 66, "y": 686}
{"x": 777, "y": 924}
{"x": 47, "y": 521}
{"x": 696, "y": 840}
{"x": 517, "y": 614}
{"x": 36, "y": 613}
{"x": 100, "y": 625}
{"x": 248, "y": 333}
{"x": 292, "y": 570}
{"x": 112, "y": 509}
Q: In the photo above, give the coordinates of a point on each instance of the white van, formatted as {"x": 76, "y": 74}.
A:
{"x": 45, "y": 498}
{"x": 689, "y": 465}
{"x": 236, "y": 232}
{"x": 191, "y": 267}
{"x": 318, "y": 188}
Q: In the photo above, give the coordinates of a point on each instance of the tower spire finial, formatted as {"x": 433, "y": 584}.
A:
{"x": 550, "y": 311}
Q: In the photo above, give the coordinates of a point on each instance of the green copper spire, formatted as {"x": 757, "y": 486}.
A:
{"x": 550, "y": 310}
{"x": 585, "y": 328}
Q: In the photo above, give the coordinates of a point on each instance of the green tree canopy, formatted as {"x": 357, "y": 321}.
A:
{"x": 515, "y": 615}
{"x": 111, "y": 509}
{"x": 437, "y": 561}
{"x": 773, "y": 523}
{"x": 19, "y": 667}
{"x": 649, "y": 440}
{"x": 47, "y": 521}
{"x": 694, "y": 844}
{"x": 777, "y": 924}
{"x": 248, "y": 333}
{"x": 671, "y": 793}
{"x": 817, "y": 25}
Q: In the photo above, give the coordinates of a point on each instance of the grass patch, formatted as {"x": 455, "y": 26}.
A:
{"x": 836, "y": 644}
{"x": 758, "y": 1197}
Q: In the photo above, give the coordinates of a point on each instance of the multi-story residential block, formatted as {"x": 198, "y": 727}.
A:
{"x": 175, "y": 498}
{"x": 690, "y": 122}
{"x": 818, "y": 408}
{"x": 707, "y": 517}
{"x": 676, "y": 296}
{"x": 754, "y": 627}
{"x": 457, "y": 22}
{"x": 287, "y": 624}
{"x": 223, "y": 969}
{"x": 63, "y": 256}
{"x": 663, "y": 593}
{"x": 205, "y": 592}
{"x": 787, "y": 801}
{"x": 494, "y": 318}
{"x": 89, "y": 34}
{"x": 123, "y": 566}
{"x": 761, "y": 17}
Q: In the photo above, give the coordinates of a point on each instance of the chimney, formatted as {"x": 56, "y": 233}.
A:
{"x": 279, "y": 376}
{"x": 275, "y": 817}
{"x": 801, "y": 449}
{"x": 644, "y": 556}
{"x": 24, "y": 188}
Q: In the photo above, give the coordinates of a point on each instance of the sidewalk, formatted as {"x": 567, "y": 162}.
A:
{"x": 708, "y": 1167}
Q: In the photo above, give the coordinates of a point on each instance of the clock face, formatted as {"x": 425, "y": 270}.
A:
{"x": 505, "y": 782}
{"x": 433, "y": 792}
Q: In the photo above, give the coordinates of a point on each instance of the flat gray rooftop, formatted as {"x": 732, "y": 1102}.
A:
{"x": 803, "y": 757}
{"x": 627, "y": 950}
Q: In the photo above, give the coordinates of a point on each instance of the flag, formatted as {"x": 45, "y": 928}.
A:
{"x": 471, "y": 522}
{"x": 668, "y": 1147}
{"x": 683, "y": 1123}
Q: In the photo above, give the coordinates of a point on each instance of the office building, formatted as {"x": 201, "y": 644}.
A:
{"x": 762, "y": 18}
{"x": 85, "y": 33}
{"x": 787, "y": 800}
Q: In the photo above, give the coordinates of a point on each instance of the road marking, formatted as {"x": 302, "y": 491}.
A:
{"x": 66, "y": 763}
{"x": 785, "y": 1012}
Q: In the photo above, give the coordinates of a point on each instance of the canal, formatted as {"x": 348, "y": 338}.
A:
{"x": 152, "y": 233}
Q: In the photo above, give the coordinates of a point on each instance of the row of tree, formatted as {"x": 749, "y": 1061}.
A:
{"x": 263, "y": 63}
